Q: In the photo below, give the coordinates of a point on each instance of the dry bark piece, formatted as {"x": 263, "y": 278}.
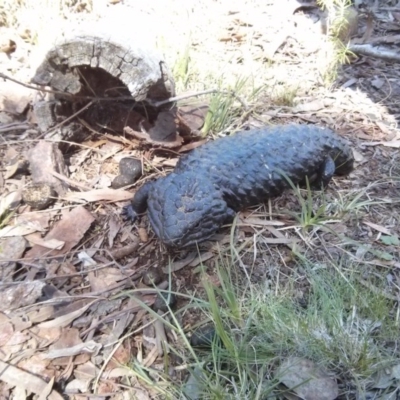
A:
{"x": 97, "y": 62}
{"x": 44, "y": 158}
{"x": 192, "y": 117}
{"x": 70, "y": 229}
{"x": 39, "y": 195}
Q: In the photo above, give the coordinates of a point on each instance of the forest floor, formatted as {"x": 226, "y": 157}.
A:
{"x": 302, "y": 292}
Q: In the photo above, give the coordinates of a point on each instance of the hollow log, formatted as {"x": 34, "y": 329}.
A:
{"x": 103, "y": 81}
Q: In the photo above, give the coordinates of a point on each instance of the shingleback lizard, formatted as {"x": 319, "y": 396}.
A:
{"x": 216, "y": 180}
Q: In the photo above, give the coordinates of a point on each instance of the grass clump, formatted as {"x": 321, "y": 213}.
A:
{"x": 229, "y": 107}
{"x": 339, "y": 324}
{"x": 341, "y": 23}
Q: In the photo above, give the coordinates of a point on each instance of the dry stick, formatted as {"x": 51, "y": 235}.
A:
{"x": 69, "y": 181}
{"x": 14, "y": 126}
{"x": 41, "y": 89}
{"x": 154, "y": 104}
{"x": 208, "y": 91}
{"x": 378, "y": 52}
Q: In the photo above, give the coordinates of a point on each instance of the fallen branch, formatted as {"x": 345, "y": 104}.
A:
{"x": 375, "y": 51}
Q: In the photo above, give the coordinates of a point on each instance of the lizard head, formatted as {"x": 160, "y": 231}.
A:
{"x": 185, "y": 208}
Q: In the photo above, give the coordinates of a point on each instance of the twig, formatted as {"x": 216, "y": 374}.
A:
{"x": 378, "y": 52}
{"x": 208, "y": 91}
{"x": 14, "y": 126}
{"x": 41, "y": 89}
{"x": 69, "y": 181}
{"x": 127, "y": 98}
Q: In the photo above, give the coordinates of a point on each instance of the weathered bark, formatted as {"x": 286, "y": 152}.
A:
{"x": 109, "y": 74}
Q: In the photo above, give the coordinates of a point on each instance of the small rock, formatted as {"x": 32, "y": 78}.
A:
{"x": 121, "y": 181}
{"x": 152, "y": 277}
{"x": 161, "y": 301}
{"x": 130, "y": 167}
{"x": 203, "y": 337}
{"x": 39, "y": 195}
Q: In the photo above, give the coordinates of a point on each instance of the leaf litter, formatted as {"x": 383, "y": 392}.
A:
{"x": 68, "y": 313}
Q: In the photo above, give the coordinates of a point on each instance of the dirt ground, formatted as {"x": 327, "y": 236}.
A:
{"x": 76, "y": 279}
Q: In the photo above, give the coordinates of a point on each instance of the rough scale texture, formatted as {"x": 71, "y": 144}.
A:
{"x": 214, "y": 181}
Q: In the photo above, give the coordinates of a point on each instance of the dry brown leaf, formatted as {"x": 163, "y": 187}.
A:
{"x": 47, "y": 336}
{"x": 192, "y": 145}
{"x": 114, "y": 227}
{"x": 312, "y": 106}
{"x": 40, "y": 314}
{"x": 69, "y": 229}
{"x": 177, "y": 265}
{"x": 192, "y": 116}
{"x": 280, "y": 235}
{"x": 90, "y": 347}
{"x": 378, "y": 228}
{"x": 151, "y": 357}
{"x": 6, "y": 329}
{"x": 307, "y": 380}
{"x": 66, "y": 319}
{"x": 18, "y": 338}
{"x": 27, "y": 224}
{"x": 37, "y": 365}
{"x": 393, "y": 143}
{"x": 16, "y": 230}
{"x": 259, "y": 221}
{"x": 118, "y": 372}
{"x": 99, "y": 195}
{"x": 47, "y": 390}
{"x": 35, "y": 238}
{"x": 9, "y": 201}
{"x": 104, "y": 279}
{"x": 86, "y": 371}
{"x": 146, "y": 137}
{"x": 201, "y": 258}
{"x": 279, "y": 240}
{"x": 32, "y": 384}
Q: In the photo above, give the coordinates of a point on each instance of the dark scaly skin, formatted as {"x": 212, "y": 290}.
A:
{"x": 216, "y": 180}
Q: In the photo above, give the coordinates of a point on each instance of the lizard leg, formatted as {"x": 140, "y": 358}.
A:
{"x": 138, "y": 203}
{"x": 325, "y": 173}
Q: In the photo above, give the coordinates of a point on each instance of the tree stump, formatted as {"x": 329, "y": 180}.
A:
{"x": 104, "y": 81}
